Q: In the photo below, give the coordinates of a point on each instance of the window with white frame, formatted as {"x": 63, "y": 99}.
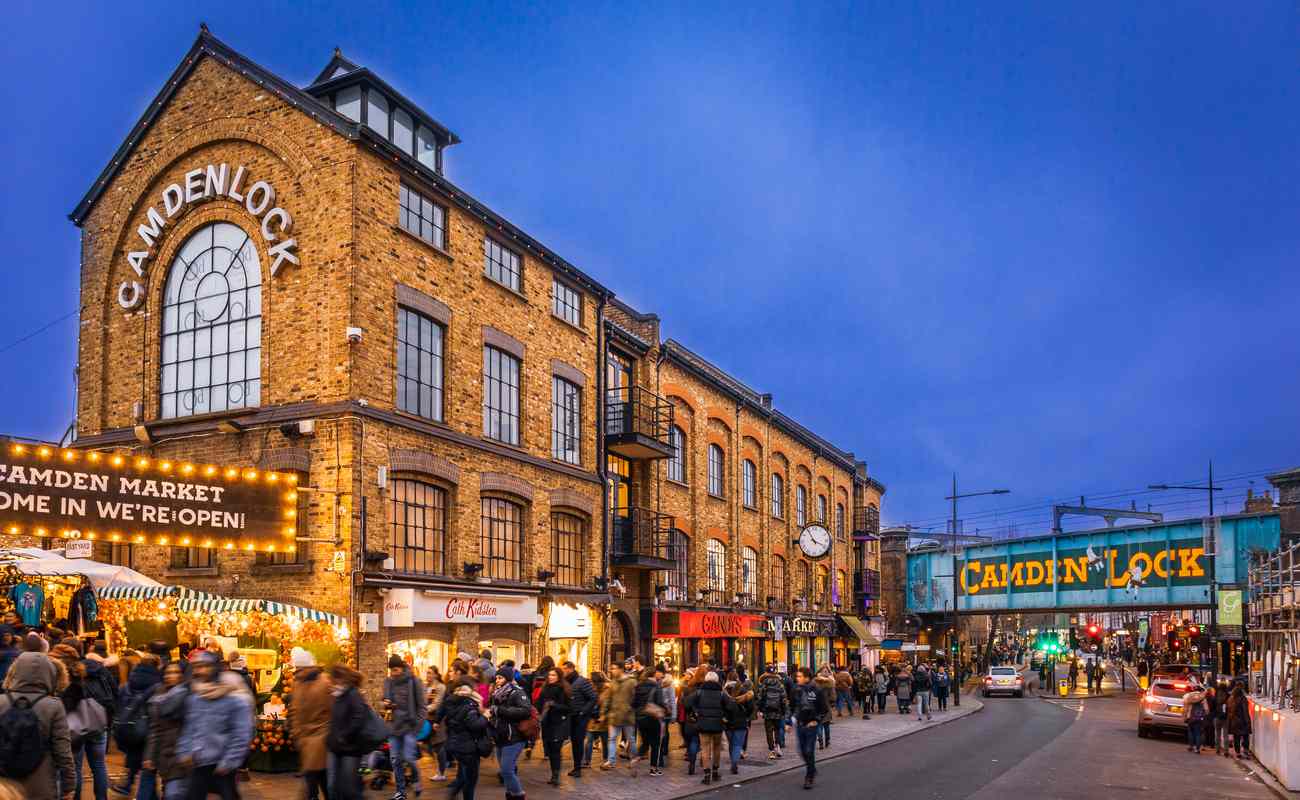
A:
{"x": 778, "y": 496}
{"x": 749, "y": 484}
{"x": 749, "y": 573}
{"x": 801, "y": 506}
{"x": 821, "y": 508}
{"x": 716, "y": 471}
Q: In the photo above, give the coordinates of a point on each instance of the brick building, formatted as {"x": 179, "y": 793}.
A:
{"x": 282, "y": 278}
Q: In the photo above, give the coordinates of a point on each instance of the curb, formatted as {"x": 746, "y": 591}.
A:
{"x": 797, "y": 765}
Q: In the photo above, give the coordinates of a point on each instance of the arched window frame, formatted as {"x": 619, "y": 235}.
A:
{"x": 749, "y": 484}
{"x": 716, "y": 566}
{"x": 418, "y": 512}
{"x": 778, "y": 496}
{"x": 778, "y": 589}
{"x": 677, "y": 461}
{"x": 749, "y": 573}
{"x": 502, "y": 522}
{"x": 717, "y": 471}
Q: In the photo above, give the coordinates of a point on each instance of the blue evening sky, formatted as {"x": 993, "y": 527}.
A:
{"x": 1048, "y": 248}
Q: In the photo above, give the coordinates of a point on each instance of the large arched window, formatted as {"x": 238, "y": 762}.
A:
{"x": 749, "y": 573}
{"x": 212, "y": 325}
{"x": 675, "y": 579}
{"x": 821, "y": 508}
{"x": 749, "y": 484}
{"x": 715, "y": 470}
{"x": 501, "y": 539}
{"x": 839, "y": 520}
{"x": 778, "y": 588}
{"x": 677, "y": 461}
{"x": 717, "y": 565}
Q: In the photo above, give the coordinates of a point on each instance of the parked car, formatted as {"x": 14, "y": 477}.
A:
{"x": 1161, "y": 707}
{"x": 1003, "y": 680}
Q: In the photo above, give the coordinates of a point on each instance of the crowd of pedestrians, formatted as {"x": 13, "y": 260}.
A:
{"x": 1218, "y": 715}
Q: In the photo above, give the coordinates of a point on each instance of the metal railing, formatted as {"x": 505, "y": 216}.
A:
{"x": 631, "y": 410}
{"x": 866, "y": 583}
{"x": 866, "y": 520}
{"x": 642, "y": 533}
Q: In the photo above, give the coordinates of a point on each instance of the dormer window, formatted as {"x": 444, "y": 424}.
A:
{"x": 377, "y": 113}
{"x": 348, "y": 103}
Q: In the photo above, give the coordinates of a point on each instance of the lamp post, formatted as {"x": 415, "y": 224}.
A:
{"x": 1210, "y": 489}
{"x": 956, "y": 611}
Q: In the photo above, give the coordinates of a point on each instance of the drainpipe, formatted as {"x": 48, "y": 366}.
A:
{"x": 602, "y": 470}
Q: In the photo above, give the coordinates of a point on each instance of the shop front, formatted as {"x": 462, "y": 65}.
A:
{"x": 855, "y": 645}
{"x": 800, "y": 640}
{"x": 433, "y": 627}
{"x": 573, "y": 629}
{"x": 680, "y": 639}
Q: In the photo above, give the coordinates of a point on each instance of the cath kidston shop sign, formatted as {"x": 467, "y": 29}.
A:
{"x": 465, "y": 608}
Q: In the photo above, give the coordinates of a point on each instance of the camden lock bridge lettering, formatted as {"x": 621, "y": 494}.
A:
{"x": 1184, "y": 563}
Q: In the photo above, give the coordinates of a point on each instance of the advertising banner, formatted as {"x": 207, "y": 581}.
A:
{"x": 1231, "y": 625}
{"x": 46, "y": 491}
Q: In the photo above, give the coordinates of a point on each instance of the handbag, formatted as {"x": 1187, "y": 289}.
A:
{"x": 86, "y": 719}
{"x": 530, "y": 728}
{"x": 426, "y": 730}
{"x": 655, "y": 710}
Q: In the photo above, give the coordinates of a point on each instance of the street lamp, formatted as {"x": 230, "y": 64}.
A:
{"x": 954, "y": 632}
{"x": 1210, "y": 489}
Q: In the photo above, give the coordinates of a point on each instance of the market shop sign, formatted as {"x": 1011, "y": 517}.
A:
{"x": 1178, "y": 563}
{"x": 49, "y": 492}
{"x": 801, "y": 626}
{"x": 200, "y": 185}
{"x": 708, "y": 625}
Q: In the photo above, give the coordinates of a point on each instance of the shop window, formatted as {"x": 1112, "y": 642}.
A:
{"x": 568, "y": 537}
{"x": 778, "y": 496}
{"x": 677, "y": 461}
{"x": 422, "y": 654}
{"x": 566, "y": 421}
{"x": 839, "y": 521}
{"x": 418, "y": 518}
{"x": 422, "y": 217}
{"x": 500, "y": 395}
{"x": 716, "y": 563}
{"x": 117, "y": 553}
{"x": 778, "y": 592}
{"x": 419, "y": 364}
{"x": 715, "y": 471}
{"x": 749, "y": 484}
{"x": 192, "y": 558}
{"x": 801, "y": 506}
{"x": 749, "y": 573}
{"x": 566, "y": 302}
{"x": 212, "y": 325}
{"x": 501, "y": 264}
{"x": 821, "y": 508}
{"x": 675, "y": 580}
{"x": 501, "y": 539}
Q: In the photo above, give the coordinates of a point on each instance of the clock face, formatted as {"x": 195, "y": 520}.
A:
{"x": 815, "y": 541}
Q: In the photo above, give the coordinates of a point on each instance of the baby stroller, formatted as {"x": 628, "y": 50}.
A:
{"x": 378, "y": 768}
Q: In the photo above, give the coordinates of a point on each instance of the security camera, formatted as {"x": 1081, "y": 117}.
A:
{"x": 616, "y": 587}
{"x": 354, "y": 335}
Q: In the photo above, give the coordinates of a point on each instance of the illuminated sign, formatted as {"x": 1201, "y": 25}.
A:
{"x": 1179, "y": 563}
{"x": 46, "y": 491}
{"x": 198, "y": 186}
{"x": 802, "y": 626}
{"x": 708, "y": 625}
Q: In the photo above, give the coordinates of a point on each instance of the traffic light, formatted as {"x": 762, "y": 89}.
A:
{"x": 1074, "y": 638}
{"x": 1193, "y": 630}
{"x": 1093, "y": 630}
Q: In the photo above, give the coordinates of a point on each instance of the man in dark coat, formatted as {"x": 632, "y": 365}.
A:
{"x": 709, "y": 707}
{"x": 404, "y": 697}
{"x": 132, "y": 702}
{"x": 810, "y": 707}
{"x": 461, "y": 715}
{"x": 348, "y": 718}
{"x": 582, "y": 705}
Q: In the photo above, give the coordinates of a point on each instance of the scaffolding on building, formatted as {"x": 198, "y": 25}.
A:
{"x": 1273, "y": 623}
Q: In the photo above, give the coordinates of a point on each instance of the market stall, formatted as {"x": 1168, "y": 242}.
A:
{"x": 43, "y": 588}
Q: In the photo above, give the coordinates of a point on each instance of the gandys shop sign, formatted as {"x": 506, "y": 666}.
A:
{"x": 707, "y": 625}
{"x": 46, "y": 491}
{"x": 1178, "y": 563}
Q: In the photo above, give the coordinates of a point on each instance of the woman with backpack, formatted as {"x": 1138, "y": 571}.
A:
{"x": 553, "y": 707}
{"x": 466, "y": 734}
{"x": 774, "y": 704}
{"x": 513, "y": 724}
{"x": 131, "y": 728}
{"x": 737, "y": 718}
{"x": 87, "y": 720}
{"x": 1195, "y": 710}
{"x": 35, "y": 748}
{"x": 941, "y": 682}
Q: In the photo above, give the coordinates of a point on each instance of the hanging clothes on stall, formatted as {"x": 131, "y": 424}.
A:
{"x": 28, "y": 600}
{"x": 83, "y": 609}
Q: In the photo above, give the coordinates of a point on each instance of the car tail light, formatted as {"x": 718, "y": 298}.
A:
{"x": 1019, "y": 679}
{"x": 988, "y": 678}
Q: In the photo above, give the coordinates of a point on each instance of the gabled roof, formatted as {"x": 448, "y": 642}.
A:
{"x": 338, "y": 62}
{"x": 354, "y": 74}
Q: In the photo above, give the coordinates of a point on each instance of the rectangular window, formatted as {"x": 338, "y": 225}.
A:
{"x": 377, "y": 112}
{"x": 801, "y": 506}
{"x": 567, "y": 534}
{"x": 821, "y": 508}
{"x": 716, "y": 565}
{"x": 348, "y": 102}
{"x": 419, "y": 364}
{"x": 426, "y": 148}
{"x": 116, "y": 553}
{"x": 418, "y": 516}
{"x": 192, "y": 558}
{"x": 749, "y": 574}
{"x": 677, "y": 461}
{"x": 501, "y": 539}
{"x": 715, "y": 470}
{"x": 675, "y": 579}
{"x": 501, "y": 264}
{"x": 566, "y": 302}
{"x": 281, "y": 558}
{"x": 749, "y": 491}
{"x": 420, "y": 216}
{"x": 778, "y": 497}
{"x": 403, "y": 130}
{"x": 500, "y": 395}
{"x": 566, "y": 421}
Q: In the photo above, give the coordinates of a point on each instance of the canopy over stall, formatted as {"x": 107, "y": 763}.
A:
{"x": 51, "y": 563}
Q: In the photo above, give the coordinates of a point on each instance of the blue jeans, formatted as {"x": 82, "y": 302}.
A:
{"x": 629, "y": 736}
{"x": 692, "y": 747}
{"x": 93, "y": 746}
{"x": 922, "y": 701}
{"x": 780, "y": 733}
{"x": 148, "y": 786}
{"x": 1194, "y": 733}
{"x": 507, "y": 759}
{"x": 592, "y": 736}
{"x": 404, "y": 748}
{"x": 735, "y": 744}
{"x": 174, "y": 789}
{"x": 807, "y": 748}
{"x": 843, "y": 699}
{"x": 824, "y": 733}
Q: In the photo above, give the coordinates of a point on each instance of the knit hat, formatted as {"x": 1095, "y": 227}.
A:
{"x": 301, "y": 658}
{"x": 395, "y": 661}
{"x": 712, "y": 676}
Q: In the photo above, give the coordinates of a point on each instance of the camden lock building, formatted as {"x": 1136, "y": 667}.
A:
{"x": 491, "y": 450}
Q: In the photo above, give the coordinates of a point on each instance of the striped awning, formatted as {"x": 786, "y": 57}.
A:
{"x": 193, "y": 600}
{"x": 307, "y": 614}
{"x": 127, "y": 592}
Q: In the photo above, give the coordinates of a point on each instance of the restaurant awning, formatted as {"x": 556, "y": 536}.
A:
{"x": 859, "y": 629}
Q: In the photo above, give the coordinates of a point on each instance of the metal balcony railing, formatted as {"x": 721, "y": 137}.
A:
{"x": 866, "y": 521}
{"x": 642, "y": 539}
{"x": 638, "y": 423}
{"x": 866, "y": 582}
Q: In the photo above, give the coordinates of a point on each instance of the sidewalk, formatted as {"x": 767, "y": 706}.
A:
{"x": 848, "y": 734}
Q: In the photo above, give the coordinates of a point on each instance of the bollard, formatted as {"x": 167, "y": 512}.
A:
{"x": 1063, "y": 687}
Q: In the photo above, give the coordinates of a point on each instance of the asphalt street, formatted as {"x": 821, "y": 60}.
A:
{"x": 1071, "y": 749}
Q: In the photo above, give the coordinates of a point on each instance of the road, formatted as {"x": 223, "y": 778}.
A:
{"x": 1070, "y": 749}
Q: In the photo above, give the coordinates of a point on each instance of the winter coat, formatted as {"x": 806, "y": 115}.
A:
{"x": 348, "y": 715}
{"x": 100, "y": 683}
{"x": 582, "y": 695}
{"x": 826, "y": 685}
{"x": 882, "y": 682}
{"x": 772, "y": 683}
{"x": 7, "y": 656}
{"x": 921, "y": 681}
{"x": 742, "y": 695}
{"x": 708, "y": 706}
{"x": 510, "y": 707}
{"x": 1190, "y": 701}
{"x": 903, "y": 687}
{"x": 166, "y": 717}
{"x": 619, "y": 709}
{"x": 597, "y": 721}
{"x": 436, "y": 692}
{"x": 34, "y": 677}
{"x": 645, "y": 692}
{"x": 668, "y": 699}
{"x": 218, "y": 723}
{"x": 553, "y": 706}
{"x": 809, "y": 704}
{"x": 843, "y": 681}
{"x": 405, "y": 693}
{"x": 1239, "y": 714}
{"x": 139, "y": 688}
{"x": 864, "y": 683}
{"x": 310, "y": 706}
{"x": 464, "y": 722}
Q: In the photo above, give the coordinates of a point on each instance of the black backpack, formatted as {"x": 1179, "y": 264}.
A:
{"x": 22, "y": 747}
{"x": 773, "y": 696}
{"x": 131, "y": 730}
